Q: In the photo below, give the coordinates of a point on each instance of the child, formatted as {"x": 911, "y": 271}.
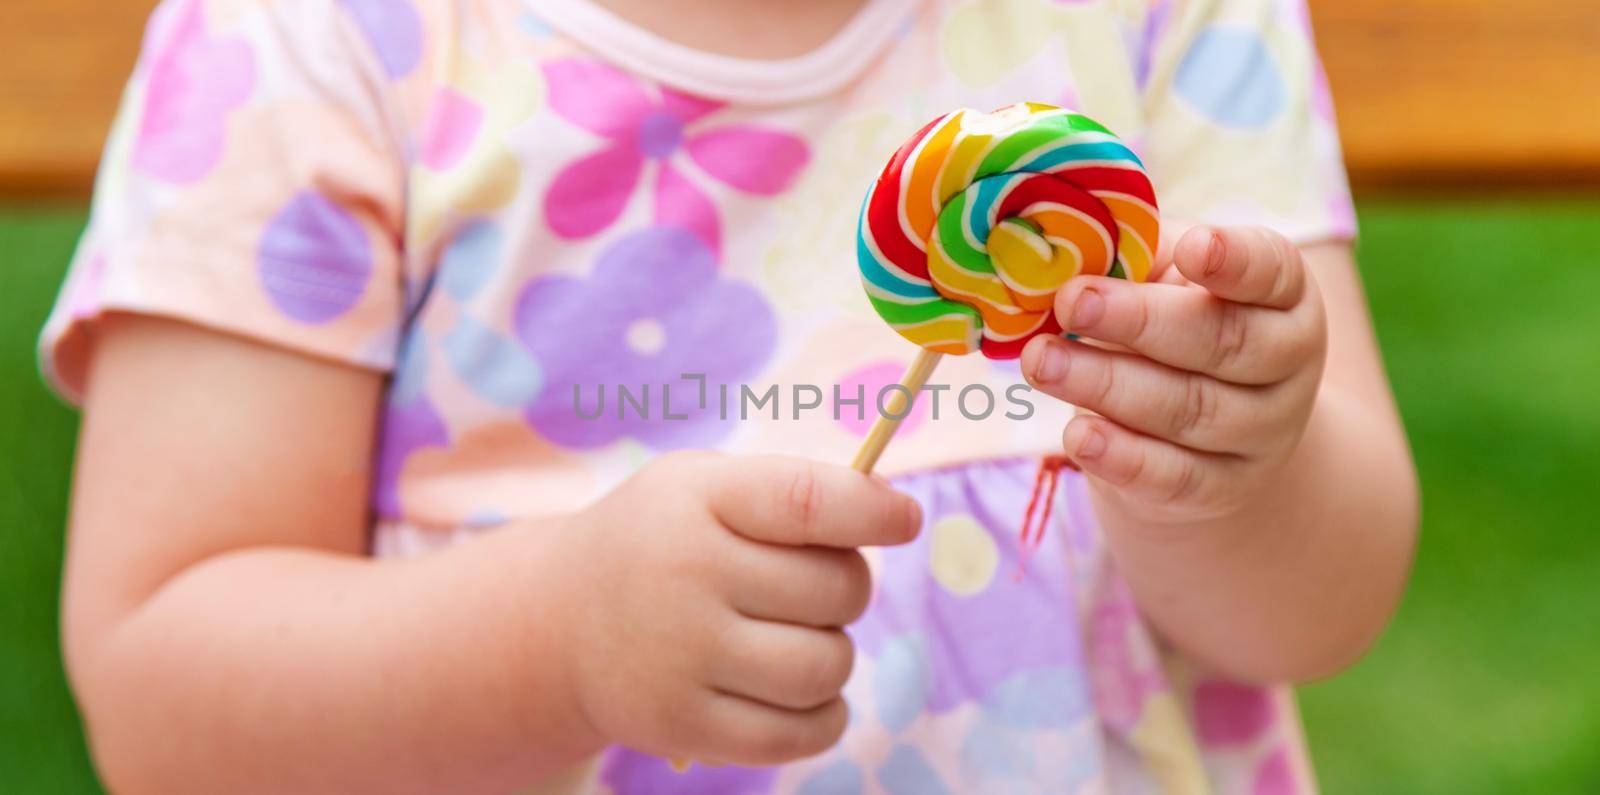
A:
{"x": 525, "y": 250}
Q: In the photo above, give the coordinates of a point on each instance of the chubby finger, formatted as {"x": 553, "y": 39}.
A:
{"x": 1145, "y": 467}
{"x": 792, "y": 501}
{"x": 740, "y": 731}
{"x": 783, "y": 665}
{"x": 816, "y": 586}
{"x": 1248, "y": 264}
{"x": 1190, "y": 409}
{"x": 1188, "y": 328}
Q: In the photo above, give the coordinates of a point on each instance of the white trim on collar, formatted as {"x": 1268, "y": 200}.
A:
{"x": 830, "y": 67}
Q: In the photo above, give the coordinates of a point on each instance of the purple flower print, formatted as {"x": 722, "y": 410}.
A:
{"x": 406, "y": 429}
{"x": 653, "y": 309}
{"x": 195, "y": 81}
{"x": 639, "y": 126}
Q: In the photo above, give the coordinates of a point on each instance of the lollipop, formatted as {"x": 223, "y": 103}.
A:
{"x": 980, "y": 218}
{"x": 975, "y": 224}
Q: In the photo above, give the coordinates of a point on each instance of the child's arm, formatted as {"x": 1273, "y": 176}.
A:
{"x": 225, "y": 633}
{"x": 1248, "y": 463}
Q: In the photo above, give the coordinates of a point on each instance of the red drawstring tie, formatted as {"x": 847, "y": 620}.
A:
{"x": 1040, "y": 502}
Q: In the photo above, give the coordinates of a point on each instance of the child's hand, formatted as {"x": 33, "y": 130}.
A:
{"x": 709, "y": 628}
{"x": 1208, "y": 378}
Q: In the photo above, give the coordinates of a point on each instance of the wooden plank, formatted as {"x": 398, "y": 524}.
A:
{"x": 61, "y": 74}
{"x": 1465, "y": 90}
{"x": 1489, "y": 91}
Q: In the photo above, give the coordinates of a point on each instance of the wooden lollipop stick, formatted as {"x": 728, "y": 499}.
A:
{"x": 898, "y": 408}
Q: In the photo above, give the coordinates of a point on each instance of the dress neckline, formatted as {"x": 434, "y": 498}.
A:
{"x": 822, "y": 71}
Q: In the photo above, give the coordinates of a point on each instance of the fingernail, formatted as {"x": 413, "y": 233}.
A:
{"x": 916, "y": 516}
{"x": 1091, "y": 446}
{"x": 1088, "y": 310}
{"x": 1215, "y": 253}
{"x": 1052, "y": 365}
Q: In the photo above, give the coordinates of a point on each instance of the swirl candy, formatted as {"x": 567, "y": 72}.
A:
{"x": 980, "y": 217}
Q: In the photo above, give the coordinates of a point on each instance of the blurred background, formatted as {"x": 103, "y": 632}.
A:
{"x": 1472, "y": 132}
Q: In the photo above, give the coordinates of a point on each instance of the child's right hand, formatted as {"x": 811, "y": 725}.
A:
{"x": 708, "y": 626}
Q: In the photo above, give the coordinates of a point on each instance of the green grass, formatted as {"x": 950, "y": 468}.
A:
{"x": 1486, "y": 683}
{"x": 41, "y": 745}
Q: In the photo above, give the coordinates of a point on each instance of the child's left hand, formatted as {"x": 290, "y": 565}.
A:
{"x": 1207, "y": 377}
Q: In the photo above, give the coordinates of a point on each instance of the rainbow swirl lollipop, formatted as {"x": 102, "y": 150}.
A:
{"x": 980, "y": 217}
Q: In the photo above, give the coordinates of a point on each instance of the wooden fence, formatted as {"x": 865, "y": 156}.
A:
{"x": 1459, "y": 91}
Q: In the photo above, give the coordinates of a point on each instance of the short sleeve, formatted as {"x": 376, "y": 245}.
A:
{"x": 1240, "y": 126}
{"x": 253, "y": 184}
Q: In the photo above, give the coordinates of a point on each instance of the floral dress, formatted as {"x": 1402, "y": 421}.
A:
{"x": 573, "y": 245}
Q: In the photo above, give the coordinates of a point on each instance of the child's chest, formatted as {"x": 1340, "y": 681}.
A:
{"x": 601, "y": 265}
{"x": 565, "y": 154}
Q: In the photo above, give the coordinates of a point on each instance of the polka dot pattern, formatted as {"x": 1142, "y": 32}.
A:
{"x": 963, "y": 556}
{"x": 469, "y": 262}
{"x": 1231, "y": 76}
{"x": 196, "y": 81}
{"x": 452, "y": 124}
{"x": 908, "y": 772}
{"x": 394, "y": 29}
{"x": 902, "y": 681}
{"x": 496, "y": 368}
{"x": 1039, "y": 698}
{"x": 409, "y": 381}
{"x": 992, "y": 751}
{"x": 1228, "y": 714}
{"x": 445, "y": 193}
{"x": 1275, "y": 776}
{"x": 314, "y": 259}
{"x": 843, "y": 777}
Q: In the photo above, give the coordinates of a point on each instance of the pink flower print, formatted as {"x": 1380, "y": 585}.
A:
{"x": 642, "y": 126}
{"x": 869, "y": 382}
{"x": 194, "y": 81}
{"x": 1124, "y": 662}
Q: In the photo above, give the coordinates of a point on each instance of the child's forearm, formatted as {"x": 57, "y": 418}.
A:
{"x": 1298, "y": 582}
{"x": 292, "y": 670}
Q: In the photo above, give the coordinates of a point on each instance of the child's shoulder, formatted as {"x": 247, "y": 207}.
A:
{"x": 400, "y": 33}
